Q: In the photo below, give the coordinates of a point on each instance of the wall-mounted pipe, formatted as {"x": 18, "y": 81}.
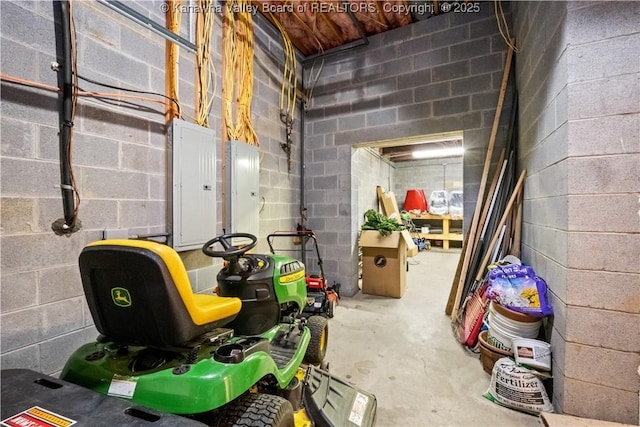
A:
{"x": 69, "y": 223}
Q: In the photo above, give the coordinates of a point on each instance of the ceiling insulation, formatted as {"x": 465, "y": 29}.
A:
{"x": 317, "y": 26}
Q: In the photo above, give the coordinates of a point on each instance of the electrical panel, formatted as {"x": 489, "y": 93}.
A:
{"x": 193, "y": 207}
{"x": 242, "y": 188}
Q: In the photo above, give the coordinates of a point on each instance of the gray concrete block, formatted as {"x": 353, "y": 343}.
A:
{"x": 110, "y": 184}
{"x": 603, "y": 290}
{"x": 431, "y": 58}
{"x": 589, "y": 24}
{"x": 471, "y": 85}
{"x": 157, "y": 187}
{"x": 588, "y": 400}
{"x": 415, "y": 111}
{"x": 26, "y": 178}
{"x": 605, "y": 58}
{"x": 434, "y": 23}
{"x": 18, "y": 291}
{"x": 131, "y": 71}
{"x": 607, "y": 252}
{"x": 432, "y": 91}
{"x": 17, "y": 216}
{"x": 381, "y": 86}
{"x": 485, "y": 101}
{"x": 325, "y": 210}
{"x": 382, "y": 117}
{"x": 604, "y": 135}
{"x": 24, "y": 358}
{"x": 59, "y": 283}
{"x": 450, "y": 36}
{"x": 91, "y": 22}
{"x": 615, "y": 213}
{"x": 27, "y": 27}
{"x": 18, "y": 138}
{"x": 486, "y": 64}
{"x": 383, "y": 54}
{"x": 398, "y": 66}
{"x": 366, "y": 74}
{"x": 352, "y": 94}
{"x": 20, "y": 328}
{"x": 18, "y": 59}
{"x": 325, "y": 183}
{"x": 94, "y": 214}
{"x": 55, "y": 352}
{"x": 141, "y": 213}
{"x": 206, "y": 279}
{"x": 88, "y": 150}
{"x": 611, "y": 174}
{"x": 61, "y": 317}
{"x": 325, "y": 126}
{"x": 121, "y": 126}
{"x": 142, "y": 158}
{"x": 325, "y": 154}
{"x": 413, "y": 79}
{"x": 420, "y": 43}
{"x": 349, "y": 123}
{"x": 31, "y": 105}
{"x": 455, "y": 105}
{"x": 604, "y": 97}
{"x": 471, "y": 49}
{"x": 367, "y": 105}
{"x": 450, "y": 71}
{"x": 483, "y": 28}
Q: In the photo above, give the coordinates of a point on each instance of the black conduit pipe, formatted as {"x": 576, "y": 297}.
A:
{"x": 67, "y": 224}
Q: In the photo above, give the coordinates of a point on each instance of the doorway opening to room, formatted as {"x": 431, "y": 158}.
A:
{"x": 425, "y": 176}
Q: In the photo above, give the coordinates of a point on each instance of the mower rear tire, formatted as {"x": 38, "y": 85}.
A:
{"x": 257, "y": 410}
{"x": 331, "y": 309}
{"x": 319, "y": 327}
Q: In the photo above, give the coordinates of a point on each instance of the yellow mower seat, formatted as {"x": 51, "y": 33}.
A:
{"x": 139, "y": 293}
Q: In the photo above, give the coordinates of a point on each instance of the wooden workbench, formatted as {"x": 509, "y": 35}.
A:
{"x": 446, "y": 236}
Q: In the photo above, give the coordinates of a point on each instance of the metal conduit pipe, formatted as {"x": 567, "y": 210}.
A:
{"x": 67, "y": 224}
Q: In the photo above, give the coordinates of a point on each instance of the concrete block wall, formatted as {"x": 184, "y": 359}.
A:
{"x": 439, "y": 75}
{"x": 580, "y": 143}
{"x": 119, "y": 158}
{"x": 428, "y": 175}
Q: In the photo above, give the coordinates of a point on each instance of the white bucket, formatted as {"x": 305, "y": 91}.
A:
{"x": 534, "y": 353}
{"x": 503, "y": 330}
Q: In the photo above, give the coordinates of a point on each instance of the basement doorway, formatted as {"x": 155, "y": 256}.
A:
{"x": 429, "y": 164}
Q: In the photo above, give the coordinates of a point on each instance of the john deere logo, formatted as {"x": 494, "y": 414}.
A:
{"x": 121, "y": 297}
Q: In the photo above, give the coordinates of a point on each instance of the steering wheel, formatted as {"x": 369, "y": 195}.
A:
{"x": 230, "y": 251}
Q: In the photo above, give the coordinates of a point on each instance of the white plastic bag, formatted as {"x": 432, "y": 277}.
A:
{"x": 517, "y": 387}
{"x": 439, "y": 202}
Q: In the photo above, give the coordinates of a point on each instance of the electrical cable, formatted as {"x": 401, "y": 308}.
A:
{"x": 502, "y": 22}
{"x": 205, "y": 66}
{"x": 80, "y": 93}
{"x": 175, "y": 101}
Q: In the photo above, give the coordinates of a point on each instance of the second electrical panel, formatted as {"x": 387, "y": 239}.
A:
{"x": 242, "y": 188}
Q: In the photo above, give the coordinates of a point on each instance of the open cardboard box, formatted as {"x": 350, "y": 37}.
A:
{"x": 384, "y": 262}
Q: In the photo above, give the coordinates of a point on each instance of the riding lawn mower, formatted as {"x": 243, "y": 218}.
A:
{"x": 242, "y": 357}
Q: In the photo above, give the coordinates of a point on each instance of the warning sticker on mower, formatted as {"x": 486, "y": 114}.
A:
{"x": 38, "y": 417}
{"x": 122, "y": 386}
{"x": 358, "y": 409}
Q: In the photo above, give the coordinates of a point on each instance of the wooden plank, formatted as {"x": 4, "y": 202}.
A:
{"x": 505, "y": 215}
{"x": 171, "y": 62}
{"x": 456, "y": 278}
{"x": 483, "y": 181}
{"x": 517, "y": 235}
{"x": 492, "y": 194}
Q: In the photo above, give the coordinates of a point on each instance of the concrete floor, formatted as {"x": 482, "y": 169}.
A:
{"x": 403, "y": 351}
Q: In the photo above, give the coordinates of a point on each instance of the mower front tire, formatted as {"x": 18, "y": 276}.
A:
{"x": 256, "y": 410}
{"x": 319, "y": 327}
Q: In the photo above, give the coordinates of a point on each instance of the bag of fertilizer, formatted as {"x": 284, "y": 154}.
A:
{"x": 517, "y": 387}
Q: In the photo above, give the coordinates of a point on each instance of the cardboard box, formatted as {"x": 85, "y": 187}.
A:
{"x": 412, "y": 248}
{"x": 384, "y": 263}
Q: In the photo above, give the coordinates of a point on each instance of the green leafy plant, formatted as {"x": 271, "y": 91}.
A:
{"x": 377, "y": 221}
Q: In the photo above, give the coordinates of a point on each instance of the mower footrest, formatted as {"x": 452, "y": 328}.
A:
{"x": 330, "y": 401}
